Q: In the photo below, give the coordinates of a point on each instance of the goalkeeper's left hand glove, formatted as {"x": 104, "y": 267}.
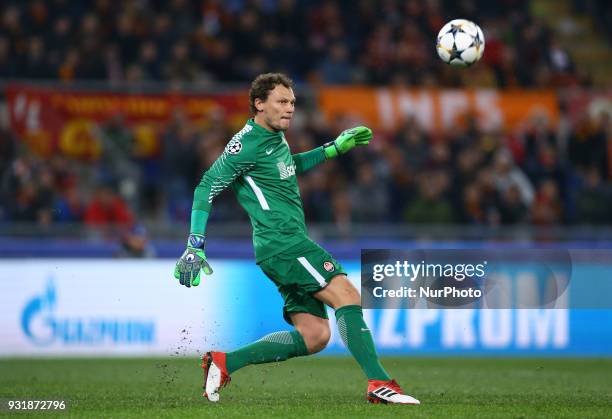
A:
{"x": 192, "y": 261}
{"x": 347, "y": 140}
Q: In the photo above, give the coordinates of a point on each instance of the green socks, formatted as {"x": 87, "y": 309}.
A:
{"x": 358, "y": 339}
{"x": 277, "y": 346}
{"x": 280, "y": 346}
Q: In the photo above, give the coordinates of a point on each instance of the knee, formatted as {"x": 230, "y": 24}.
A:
{"x": 340, "y": 292}
{"x": 316, "y": 338}
{"x": 347, "y": 294}
{"x": 353, "y": 297}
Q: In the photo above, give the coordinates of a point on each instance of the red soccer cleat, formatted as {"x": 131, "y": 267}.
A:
{"x": 215, "y": 374}
{"x": 380, "y": 391}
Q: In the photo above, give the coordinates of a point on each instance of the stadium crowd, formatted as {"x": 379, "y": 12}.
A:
{"x": 323, "y": 41}
{"x": 539, "y": 174}
{"x": 536, "y": 174}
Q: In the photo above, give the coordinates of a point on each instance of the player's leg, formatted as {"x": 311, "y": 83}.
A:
{"x": 277, "y": 346}
{"x": 342, "y": 296}
{"x": 311, "y": 335}
{"x": 274, "y": 347}
{"x": 315, "y": 330}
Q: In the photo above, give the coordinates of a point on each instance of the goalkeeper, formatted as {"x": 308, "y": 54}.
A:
{"x": 259, "y": 166}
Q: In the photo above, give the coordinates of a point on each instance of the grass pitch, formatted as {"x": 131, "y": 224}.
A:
{"x": 314, "y": 387}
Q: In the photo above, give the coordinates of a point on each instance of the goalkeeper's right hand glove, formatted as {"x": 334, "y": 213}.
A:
{"x": 192, "y": 261}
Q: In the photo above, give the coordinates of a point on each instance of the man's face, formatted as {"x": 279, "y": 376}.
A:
{"x": 277, "y": 110}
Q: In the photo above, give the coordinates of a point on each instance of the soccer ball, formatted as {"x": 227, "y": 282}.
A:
{"x": 460, "y": 43}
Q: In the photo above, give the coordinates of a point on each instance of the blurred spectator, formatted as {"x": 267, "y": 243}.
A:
{"x": 69, "y": 206}
{"x": 472, "y": 211}
{"x": 465, "y": 170}
{"x": 8, "y": 66}
{"x": 180, "y": 67}
{"x": 560, "y": 62}
{"x": 36, "y": 64}
{"x": 180, "y": 165}
{"x": 117, "y": 158}
{"x": 107, "y": 209}
{"x": 149, "y": 61}
{"x": 26, "y": 193}
{"x": 336, "y": 67}
{"x": 370, "y": 200}
{"x": 594, "y": 200}
{"x": 431, "y": 206}
{"x": 341, "y": 204}
{"x": 508, "y": 175}
{"x": 314, "y": 188}
{"x": 512, "y": 208}
{"x": 400, "y": 185}
{"x": 8, "y": 150}
{"x": 489, "y": 195}
{"x": 135, "y": 243}
{"x": 547, "y": 208}
{"x": 413, "y": 143}
{"x": 589, "y": 143}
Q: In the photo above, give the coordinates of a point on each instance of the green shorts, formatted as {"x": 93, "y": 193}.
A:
{"x": 299, "y": 272}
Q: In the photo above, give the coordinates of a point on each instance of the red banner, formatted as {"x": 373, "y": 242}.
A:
{"x": 385, "y": 109}
{"x": 51, "y": 120}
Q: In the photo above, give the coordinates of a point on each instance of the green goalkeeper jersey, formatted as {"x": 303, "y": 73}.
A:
{"x": 260, "y": 168}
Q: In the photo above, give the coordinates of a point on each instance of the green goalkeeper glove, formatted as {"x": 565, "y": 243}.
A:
{"x": 347, "y": 140}
{"x": 192, "y": 261}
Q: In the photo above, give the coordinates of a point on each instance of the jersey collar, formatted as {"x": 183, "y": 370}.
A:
{"x": 262, "y": 130}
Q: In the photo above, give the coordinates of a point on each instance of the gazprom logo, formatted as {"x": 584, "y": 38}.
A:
{"x": 42, "y": 326}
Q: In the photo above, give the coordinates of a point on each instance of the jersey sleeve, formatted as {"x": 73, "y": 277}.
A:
{"x": 237, "y": 158}
{"x": 309, "y": 159}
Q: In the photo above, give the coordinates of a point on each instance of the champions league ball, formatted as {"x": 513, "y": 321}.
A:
{"x": 460, "y": 43}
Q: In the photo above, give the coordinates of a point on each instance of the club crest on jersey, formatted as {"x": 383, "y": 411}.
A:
{"x": 284, "y": 170}
{"x": 328, "y": 266}
{"x": 234, "y": 146}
